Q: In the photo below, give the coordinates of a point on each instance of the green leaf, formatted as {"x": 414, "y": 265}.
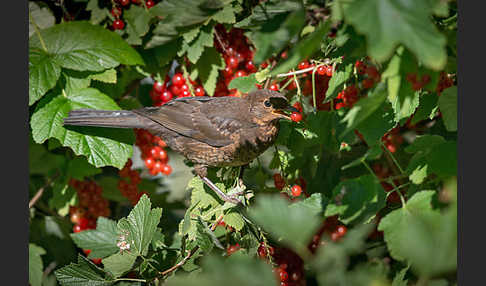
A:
{"x": 140, "y": 225}
{"x": 79, "y": 45}
{"x": 119, "y": 263}
{"x": 424, "y": 143}
{"x": 43, "y": 162}
{"x": 41, "y": 16}
{"x": 73, "y": 80}
{"x": 266, "y": 11}
{"x": 137, "y": 19}
{"x": 399, "y": 279}
{"x": 83, "y": 273}
{"x": 244, "y": 84}
{"x": 426, "y": 109}
{"x": 390, "y": 23}
{"x": 234, "y": 219}
{"x": 357, "y": 200}
{"x": 339, "y": 77}
{"x": 276, "y": 34}
{"x": 377, "y": 124}
{"x": 78, "y": 168}
{"x": 196, "y": 48}
{"x": 225, "y": 16}
{"x": 63, "y": 196}
{"x": 422, "y": 236}
{"x": 316, "y": 203}
{"x": 294, "y": 225}
{"x": 101, "y": 241}
{"x": 442, "y": 159}
{"x": 43, "y": 74}
{"x": 448, "y": 107}
{"x": 186, "y": 12}
{"x": 303, "y": 49}
{"x": 104, "y": 146}
{"x": 35, "y": 264}
{"x": 400, "y": 93}
{"x": 363, "y": 109}
{"x": 208, "y": 67}
{"x": 108, "y": 76}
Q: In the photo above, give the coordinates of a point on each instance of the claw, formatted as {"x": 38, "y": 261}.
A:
{"x": 231, "y": 198}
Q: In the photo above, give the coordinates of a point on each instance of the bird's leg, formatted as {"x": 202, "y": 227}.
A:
{"x": 202, "y": 172}
{"x": 240, "y": 176}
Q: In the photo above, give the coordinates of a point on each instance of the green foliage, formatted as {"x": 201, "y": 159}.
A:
{"x": 101, "y": 241}
{"x": 35, "y": 264}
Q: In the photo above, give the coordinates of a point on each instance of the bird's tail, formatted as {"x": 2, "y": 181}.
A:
{"x": 105, "y": 118}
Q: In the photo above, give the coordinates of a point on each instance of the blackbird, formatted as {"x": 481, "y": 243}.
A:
{"x": 209, "y": 131}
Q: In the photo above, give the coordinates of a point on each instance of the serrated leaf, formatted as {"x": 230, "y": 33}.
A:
{"x": 357, "y": 200}
{"x": 41, "y": 16}
{"x": 197, "y": 47}
{"x": 399, "y": 279}
{"x": 35, "y": 264}
{"x": 203, "y": 238}
{"x": 83, "y": 273}
{"x": 377, "y": 124}
{"x": 79, "y": 45}
{"x": 119, "y": 263}
{"x": 208, "y": 67}
{"x": 234, "y": 220}
{"x": 103, "y": 146}
{"x": 199, "y": 195}
{"x": 389, "y": 23}
{"x": 373, "y": 153}
{"x": 97, "y": 14}
{"x": 73, "y": 80}
{"x": 276, "y": 34}
{"x": 101, "y": 241}
{"x": 244, "y": 84}
{"x": 339, "y": 77}
{"x": 448, "y": 108}
{"x": 266, "y": 11}
{"x": 140, "y": 225}
{"x": 108, "y": 76}
{"x": 137, "y": 18}
{"x": 403, "y": 98}
{"x": 43, "y": 162}
{"x": 63, "y": 196}
{"x": 424, "y": 143}
{"x": 225, "y": 16}
{"x": 316, "y": 203}
{"x": 426, "y": 109}
{"x": 294, "y": 225}
{"x": 189, "y": 12}
{"x": 304, "y": 48}
{"x": 43, "y": 74}
{"x": 422, "y": 236}
{"x": 363, "y": 109}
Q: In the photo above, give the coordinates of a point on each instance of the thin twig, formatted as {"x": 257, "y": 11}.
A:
{"x": 300, "y": 71}
{"x": 220, "y": 42}
{"x": 39, "y": 193}
{"x": 36, "y": 28}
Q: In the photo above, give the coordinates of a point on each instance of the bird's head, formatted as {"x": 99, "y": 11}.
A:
{"x": 268, "y": 105}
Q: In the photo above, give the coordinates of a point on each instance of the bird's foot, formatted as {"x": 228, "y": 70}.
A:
{"x": 233, "y": 198}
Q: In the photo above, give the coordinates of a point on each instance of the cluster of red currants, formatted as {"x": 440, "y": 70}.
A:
{"x": 322, "y": 76}
{"x": 290, "y": 267}
{"x": 153, "y": 153}
{"x": 91, "y": 206}
{"x": 238, "y": 56}
{"x": 444, "y": 82}
{"x": 392, "y": 139}
{"x": 128, "y": 183}
{"x": 296, "y": 189}
{"x": 117, "y": 11}
{"x": 163, "y": 92}
{"x": 330, "y": 226}
{"x": 418, "y": 84}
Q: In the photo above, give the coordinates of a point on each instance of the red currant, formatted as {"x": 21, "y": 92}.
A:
{"x": 303, "y": 65}
{"x": 329, "y": 70}
{"x": 232, "y": 62}
{"x": 175, "y": 90}
{"x": 296, "y": 116}
{"x": 116, "y": 12}
{"x": 178, "y": 79}
{"x": 199, "y": 91}
{"x": 158, "y": 87}
{"x": 296, "y": 190}
{"x": 149, "y": 162}
{"x": 124, "y": 2}
{"x": 274, "y": 87}
{"x": 149, "y": 4}
{"x": 118, "y": 24}
{"x": 77, "y": 228}
{"x": 166, "y": 96}
{"x": 166, "y": 169}
{"x": 240, "y": 73}
{"x": 321, "y": 70}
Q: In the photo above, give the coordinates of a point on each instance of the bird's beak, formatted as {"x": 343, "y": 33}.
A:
{"x": 281, "y": 112}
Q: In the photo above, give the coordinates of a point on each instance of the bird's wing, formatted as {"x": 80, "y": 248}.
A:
{"x": 206, "y": 119}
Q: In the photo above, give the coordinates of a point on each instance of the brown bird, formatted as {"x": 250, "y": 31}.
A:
{"x": 209, "y": 131}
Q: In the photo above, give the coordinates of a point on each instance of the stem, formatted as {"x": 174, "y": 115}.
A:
{"x": 369, "y": 169}
{"x": 395, "y": 189}
{"x": 130, "y": 279}
{"x": 299, "y": 71}
{"x": 40, "y": 192}
{"x": 314, "y": 89}
{"x": 299, "y": 92}
{"x": 36, "y": 28}
{"x": 392, "y": 157}
{"x": 220, "y": 42}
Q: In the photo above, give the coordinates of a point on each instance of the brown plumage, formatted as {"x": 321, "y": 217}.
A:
{"x": 209, "y": 131}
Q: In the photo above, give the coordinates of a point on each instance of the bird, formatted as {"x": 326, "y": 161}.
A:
{"x": 208, "y": 131}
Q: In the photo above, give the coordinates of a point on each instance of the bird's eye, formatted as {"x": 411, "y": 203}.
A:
{"x": 267, "y": 103}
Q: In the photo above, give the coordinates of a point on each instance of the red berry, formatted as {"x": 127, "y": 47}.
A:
{"x": 96, "y": 260}
{"x": 184, "y": 87}
{"x": 228, "y": 72}
{"x": 232, "y": 62}
{"x": 341, "y": 230}
{"x": 335, "y": 236}
{"x": 155, "y": 151}
{"x": 368, "y": 83}
{"x": 250, "y": 66}
{"x": 161, "y": 155}
{"x": 116, "y": 12}
{"x": 284, "y": 55}
{"x": 149, "y": 4}
{"x": 240, "y": 73}
{"x": 329, "y": 70}
{"x": 83, "y": 223}
{"x": 298, "y": 106}
{"x": 284, "y": 276}
{"x": 303, "y": 65}
{"x": 158, "y": 87}
{"x": 166, "y": 169}
{"x": 296, "y": 116}
{"x": 175, "y": 90}
{"x": 274, "y": 87}
{"x": 124, "y": 2}
{"x": 149, "y": 162}
{"x": 264, "y": 65}
{"x": 278, "y": 181}
{"x": 296, "y": 190}
{"x": 199, "y": 91}
{"x": 178, "y": 79}
{"x": 232, "y": 249}
{"x": 87, "y": 251}
{"x": 166, "y": 96}
{"x": 321, "y": 70}
{"x": 185, "y": 93}
{"x": 75, "y": 217}
{"x": 118, "y": 24}
{"x": 77, "y": 228}
{"x": 157, "y": 167}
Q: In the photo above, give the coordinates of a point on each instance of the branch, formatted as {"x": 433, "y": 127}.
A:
{"x": 39, "y": 193}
